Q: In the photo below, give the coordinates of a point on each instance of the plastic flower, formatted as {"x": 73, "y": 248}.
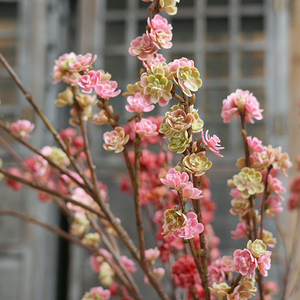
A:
{"x": 255, "y": 144}
{"x": 191, "y": 229}
{"x": 152, "y": 254}
{"x": 268, "y": 238}
{"x": 169, "y": 6}
{"x": 57, "y": 155}
{"x": 102, "y": 117}
{"x": 22, "y": 128}
{"x": 80, "y": 226}
{"x": 142, "y": 47}
{"x": 88, "y": 81}
{"x": 106, "y": 89}
{"x": 212, "y": 143}
{"x": 82, "y": 62}
{"x": 275, "y": 186}
{"x": 257, "y": 248}
{"x": 241, "y": 231}
{"x": 160, "y": 31}
{"x": 196, "y": 163}
{"x": 184, "y": 272}
{"x": 273, "y": 206}
{"x": 129, "y": 264}
{"x": 264, "y": 263}
{"x": 248, "y": 181}
{"x": 146, "y": 128}
{"x": 62, "y": 66}
{"x": 241, "y": 102}
{"x": 174, "y": 220}
{"x": 179, "y": 141}
{"x": 106, "y": 274}
{"x": 220, "y": 290}
{"x": 115, "y": 140}
{"x": 186, "y": 75}
{"x": 138, "y": 104}
{"x": 97, "y": 293}
{"x": 155, "y": 87}
{"x": 15, "y": 185}
{"x": 190, "y": 192}
{"x": 240, "y": 206}
{"x": 175, "y": 179}
{"x": 244, "y": 263}
{"x": 227, "y": 263}
{"x": 65, "y": 98}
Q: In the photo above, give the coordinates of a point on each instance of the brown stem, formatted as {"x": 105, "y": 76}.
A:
{"x": 263, "y": 203}
{"x": 44, "y": 118}
{"x": 132, "y": 287}
{"x": 57, "y": 230}
{"x": 32, "y": 148}
{"x": 44, "y": 189}
{"x": 235, "y": 283}
{"x": 137, "y": 203}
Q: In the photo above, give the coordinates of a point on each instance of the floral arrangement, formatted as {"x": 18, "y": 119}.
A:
{"x": 176, "y": 198}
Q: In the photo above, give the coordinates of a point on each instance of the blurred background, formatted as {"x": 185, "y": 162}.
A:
{"x": 247, "y": 44}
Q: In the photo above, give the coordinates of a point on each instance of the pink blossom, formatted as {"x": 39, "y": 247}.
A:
{"x": 192, "y": 227}
{"x": 227, "y": 263}
{"x": 271, "y": 288}
{"x": 182, "y": 62}
{"x": 216, "y": 272}
{"x": 160, "y": 32}
{"x": 129, "y": 264}
{"x": 264, "y": 263}
{"x": 241, "y": 231}
{"x": 96, "y": 261}
{"x": 175, "y": 179}
{"x": 22, "y": 128}
{"x": 154, "y": 59}
{"x": 115, "y": 140}
{"x": 15, "y": 185}
{"x": 69, "y": 132}
{"x": 212, "y": 143}
{"x": 158, "y": 272}
{"x": 273, "y": 206}
{"x": 89, "y": 81}
{"x": 100, "y": 293}
{"x": 81, "y": 196}
{"x": 294, "y": 201}
{"x": 142, "y": 47}
{"x": 146, "y": 128}
{"x": 62, "y": 66}
{"x": 275, "y": 186}
{"x": 244, "y": 263}
{"x": 152, "y": 254}
{"x": 255, "y": 144}
{"x": 138, "y": 104}
{"x": 106, "y": 89}
{"x": 189, "y": 192}
{"x": 241, "y": 102}
{"x": 295, "y": 185}
{"x": 82, "y": 62}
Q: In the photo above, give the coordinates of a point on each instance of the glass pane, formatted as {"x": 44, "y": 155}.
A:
{"x": 252, "y": 1}
{"x": 115, "y": 33}
{"x": 143, "y": 4}
{"x": 186, "y": 3}
{"x": 183, "y": 30}
{"x": 217, "y": 30}
{"x": 217, "y": 65}
{"x": 252, "y": 28}
{"x": 8, "y": 48}
{"x": 8, "y": 93}
{"x": 217, "y": 2}
{"x": 142, "y": 27}
{"x": 257, "y": 130}
{"x": 115, "y": 65}
{"x": 252, "y": 64}
{"x": 8, "y": 15}
{"x": 213, "y": 100}
{"x": 116, "y": 4}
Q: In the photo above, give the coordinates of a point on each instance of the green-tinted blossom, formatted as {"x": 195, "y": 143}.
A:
{"x": 65, "y": 98}
{"x": 248, "y": 181}
{"x": 257, "y": 248}
{"x": 196, "y": 163}
{"x": 198, "y": 123}
{"x": 174, "y": 220}
{"x": 179, "y": 141}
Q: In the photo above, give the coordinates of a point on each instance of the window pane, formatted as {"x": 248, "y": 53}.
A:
{"x": 8, "y": 93}
{"x": 115, "y": 65}
{"x": 252, "y": 1}
{"x": 115, "y": 33}
{"x": 217, "y": 30}
{"x": 252, "y": 64}
{"x": 186, "y": 3}
{"x": 217, "y": 2}
{"x": 183, "y": 30}
{"x": 213, "y": 100}
{"x": 116, "y": 4}
{"x": 8, "y": 48}
{"x": 252, "y": 28}
{"x": 8, "y": 15}
{"x": 217, "y": 65}
{"x": 142, "y": 27}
